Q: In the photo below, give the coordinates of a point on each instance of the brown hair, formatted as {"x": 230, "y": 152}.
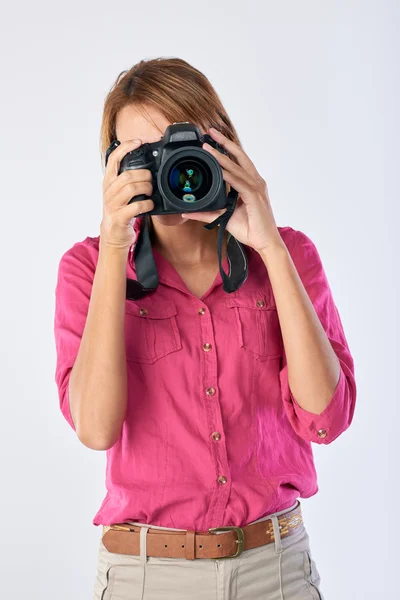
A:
{"x": 173, "y": 86}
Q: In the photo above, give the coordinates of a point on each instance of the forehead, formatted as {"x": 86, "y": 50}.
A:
{"x": 146, "y": 123}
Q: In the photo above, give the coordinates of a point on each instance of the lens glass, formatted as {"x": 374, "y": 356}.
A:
{"x": 190, "y": 180}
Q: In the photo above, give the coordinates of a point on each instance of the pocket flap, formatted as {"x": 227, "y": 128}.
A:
{"x": 256, "y": 301}
{"x": 151, "y": 308}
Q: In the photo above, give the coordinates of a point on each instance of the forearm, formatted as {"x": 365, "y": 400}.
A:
{"x": 98, "y": 380}
{"x": 313, "y": 367}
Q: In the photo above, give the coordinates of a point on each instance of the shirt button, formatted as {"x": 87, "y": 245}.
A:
{"x": 260, "y": 303}
{"x": 202, "y": 311}
{"x": 216, "y": 435}
{"x": 144, "y": 311}
{"x": 222, "y": 479}
{"x": 321, "y": 433}
{"x": 210, "y": 391}
{"x": 207, "y": 347}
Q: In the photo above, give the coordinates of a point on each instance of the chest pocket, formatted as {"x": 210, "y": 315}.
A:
{"x": 151, "y": 330}
{"x": 257, "y": 323}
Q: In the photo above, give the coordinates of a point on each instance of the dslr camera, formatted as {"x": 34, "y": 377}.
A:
{"x": 185, "y": 177}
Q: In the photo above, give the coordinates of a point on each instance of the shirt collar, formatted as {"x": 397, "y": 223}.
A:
{"x": 167, "y": 274}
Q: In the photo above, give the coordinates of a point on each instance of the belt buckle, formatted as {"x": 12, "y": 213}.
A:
{"x": 239, "y": 541}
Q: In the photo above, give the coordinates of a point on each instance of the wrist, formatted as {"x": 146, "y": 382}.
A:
{"x": 113, "y": 253}
{"x": 275, "y": 245}
{"x": 113, "y": 247}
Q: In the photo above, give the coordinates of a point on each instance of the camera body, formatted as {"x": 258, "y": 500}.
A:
{"x": 185, "y": 177}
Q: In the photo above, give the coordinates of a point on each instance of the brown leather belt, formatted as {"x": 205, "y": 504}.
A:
{"x": 124, "y": 538}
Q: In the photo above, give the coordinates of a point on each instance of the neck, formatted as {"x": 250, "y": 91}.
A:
{"x": 187, "y": 243}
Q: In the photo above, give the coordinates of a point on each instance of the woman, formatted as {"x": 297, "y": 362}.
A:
{"x": 206, "y": 402}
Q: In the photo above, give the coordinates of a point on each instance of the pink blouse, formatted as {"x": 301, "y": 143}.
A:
{"x": 213, "y": 435}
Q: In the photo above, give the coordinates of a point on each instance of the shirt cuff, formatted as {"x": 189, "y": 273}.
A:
{"x": 319, "y": 428}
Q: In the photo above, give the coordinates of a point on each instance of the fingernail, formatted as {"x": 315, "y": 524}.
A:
{"x": 137, "y": 141}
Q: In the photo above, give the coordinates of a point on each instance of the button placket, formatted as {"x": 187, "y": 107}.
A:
{"x": 214, "y": 422}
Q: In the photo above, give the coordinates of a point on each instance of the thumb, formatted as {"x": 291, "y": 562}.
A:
{"x": 205, "y": 217}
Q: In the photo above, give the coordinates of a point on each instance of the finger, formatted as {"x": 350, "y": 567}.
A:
{"x": 205, "y": 217}
{"x": 242, "y": 158}
{"x": 240, "y": 185}
{"x": 127, "y": 177}
{"x": 223, "y": 160}
{"x": 114, "y": 159}
{"x": 119, "y": 195}
{"x": 137, "y": 208}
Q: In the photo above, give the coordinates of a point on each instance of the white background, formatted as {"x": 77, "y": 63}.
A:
{"x": 313, "y": 90}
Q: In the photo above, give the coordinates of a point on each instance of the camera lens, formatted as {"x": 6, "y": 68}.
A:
{"x": 189, "y": 180}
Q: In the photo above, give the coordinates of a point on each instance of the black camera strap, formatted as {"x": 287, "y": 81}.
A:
{"x": 146, "y": 270}
{"x": 237, "y": 258}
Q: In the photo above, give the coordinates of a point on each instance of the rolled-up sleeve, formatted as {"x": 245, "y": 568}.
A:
{"x": 325, "y": 427}
{"x": 72, "y": 296}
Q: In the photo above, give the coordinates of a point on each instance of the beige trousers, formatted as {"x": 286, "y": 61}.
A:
{"x": 281, "y": 570}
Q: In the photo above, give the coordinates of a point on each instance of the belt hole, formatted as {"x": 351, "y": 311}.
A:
{"x": 183, "y": 545}
{"x": 165, "y": 546}
{"x": 201, "y": 546}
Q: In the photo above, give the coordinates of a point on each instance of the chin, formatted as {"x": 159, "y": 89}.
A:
{"x": 169, "y": 219}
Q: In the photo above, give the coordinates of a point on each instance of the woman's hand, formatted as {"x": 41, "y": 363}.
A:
{"x": 252, "y": 221}
{"x": 116, "y": 227}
